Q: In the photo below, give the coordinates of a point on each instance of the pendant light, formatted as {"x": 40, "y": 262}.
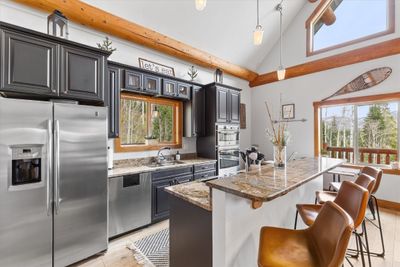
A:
{"x": 259, "y": 31}
{"x": 200, "y": 4}
{"x": 281, "y": 72}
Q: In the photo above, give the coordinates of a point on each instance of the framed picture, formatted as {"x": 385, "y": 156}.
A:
{"x": 156, "y": 67}
{"x": 288, "y": 112}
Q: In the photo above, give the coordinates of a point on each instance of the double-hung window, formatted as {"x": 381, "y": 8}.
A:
{"x": 360, "y": 132}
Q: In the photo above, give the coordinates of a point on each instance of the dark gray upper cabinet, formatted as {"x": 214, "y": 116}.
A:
{"x": 37, "y": 65}
{"x": 112, "y": 100}
{"x": 194, "y": 114}
{"x": 82, "y": 74}
{"x": 183, "y": 90}
{"x": 169, "y": 88}
{"x": 133, "y": 80}
{"x": 151, "y": 84}
{"x": 30, "y": 65}
{"x": 234, "y": 107}
{"x": 222, "y": 105}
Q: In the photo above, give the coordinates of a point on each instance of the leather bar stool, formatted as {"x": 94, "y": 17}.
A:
{"x": 373, "y": 204}
{"x": 323, "y": 196}
{"x": 363, "y": 180}
{"x": 323, "y": 244}
{"x": 353, "y": 199}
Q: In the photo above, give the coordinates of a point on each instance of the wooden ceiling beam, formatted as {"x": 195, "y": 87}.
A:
{"x": 379, "y": 50}
{"x": 108, "y": 23}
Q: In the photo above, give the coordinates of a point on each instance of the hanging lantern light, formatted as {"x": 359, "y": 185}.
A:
{"x": 259, "y": 31}
{"x": 200, "y": 4}
{"x": 281, "y": 72}
{"x": 57, "y": 24}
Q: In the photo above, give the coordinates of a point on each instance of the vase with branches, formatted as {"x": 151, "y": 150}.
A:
{"x": 279, "y": 137}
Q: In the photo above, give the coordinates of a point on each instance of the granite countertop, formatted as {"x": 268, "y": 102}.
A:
{"x": 133, "y": 167}
{"x": 268, "y": 183}
{"x": 197, "y": 193}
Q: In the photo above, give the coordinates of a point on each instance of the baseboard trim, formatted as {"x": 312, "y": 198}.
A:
{"x": 389, "y": 205}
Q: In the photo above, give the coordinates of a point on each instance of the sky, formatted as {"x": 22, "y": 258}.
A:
{"x": 354, "y": 19}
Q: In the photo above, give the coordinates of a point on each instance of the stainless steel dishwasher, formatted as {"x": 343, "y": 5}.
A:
{"x": 129, "y": 203}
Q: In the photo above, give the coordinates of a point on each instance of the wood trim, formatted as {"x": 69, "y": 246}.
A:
{"x": 385, "y": 170}
{"x": 177, "y": 129}
{"x": 395, "y": 206}
{"x": 106, "y": 22}
{"x": 317, "y": 138}
{"x": 375, "y": 51}
{"x": 358, "y": 99}
{"x": 255, "y": 204}
{"x": 351, "y": 100}
{"x": 319, "y": 12}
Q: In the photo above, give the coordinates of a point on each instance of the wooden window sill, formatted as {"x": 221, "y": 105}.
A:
{"x": 386, "y": 170}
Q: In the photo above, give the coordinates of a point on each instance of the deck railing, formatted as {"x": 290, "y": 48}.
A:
{"x": 367, "y": 155}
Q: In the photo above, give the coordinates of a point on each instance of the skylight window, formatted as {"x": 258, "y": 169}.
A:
{"x": 338, "y": 23}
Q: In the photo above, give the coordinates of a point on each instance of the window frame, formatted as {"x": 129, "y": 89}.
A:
{"x": 177, "y": 123}
{"x": 318, "y": 12}
{"x": 357, "y": 101}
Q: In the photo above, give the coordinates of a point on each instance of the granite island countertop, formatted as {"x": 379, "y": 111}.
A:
{"x": 268, "y": 183}
{"x": 134, "y": 167}
{"x": 196, "y": 192}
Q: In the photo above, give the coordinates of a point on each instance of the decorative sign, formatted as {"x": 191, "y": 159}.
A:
{"x": 288, "y": 112}
{"x": 156, "y": 67}
{"x": 364, "y": 81}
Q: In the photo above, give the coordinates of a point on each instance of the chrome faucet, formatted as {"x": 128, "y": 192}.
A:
{"x": 160, "y": 156}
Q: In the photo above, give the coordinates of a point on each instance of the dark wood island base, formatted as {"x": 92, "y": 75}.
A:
{"x": 190, "y": 234}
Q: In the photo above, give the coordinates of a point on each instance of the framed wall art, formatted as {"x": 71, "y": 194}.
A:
{"x": 288, "y": 112}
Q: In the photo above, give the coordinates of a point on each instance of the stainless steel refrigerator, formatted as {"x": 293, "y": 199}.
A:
{"x": 53, "y": 182}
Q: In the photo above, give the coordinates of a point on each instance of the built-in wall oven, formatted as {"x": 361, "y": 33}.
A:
{"x": 228, "y": 151}
{"x": 227, "y": 135}
{"x": 228, "y": 160}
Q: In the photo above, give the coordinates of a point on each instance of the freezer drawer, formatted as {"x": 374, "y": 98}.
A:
{"x": 129, "y": 203}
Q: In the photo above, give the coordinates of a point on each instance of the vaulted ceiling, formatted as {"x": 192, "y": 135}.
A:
{"x": 224, "y": 28}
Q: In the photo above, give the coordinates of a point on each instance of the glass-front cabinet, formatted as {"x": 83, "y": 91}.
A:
{"x": 133, "y": 80}
{"x": 184, "y": 90}
{"x": 152, "y": 84}
{"x": 169, "y": 88}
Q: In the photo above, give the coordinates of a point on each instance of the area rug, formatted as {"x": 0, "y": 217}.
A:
{"x": 152, "y": 250}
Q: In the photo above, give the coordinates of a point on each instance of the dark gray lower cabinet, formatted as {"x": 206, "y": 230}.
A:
{"x": 112, "y": 100}
{"x": 82, "y": 74}
{"x": 161, "y": 180}
{"x": 30, "y": 65}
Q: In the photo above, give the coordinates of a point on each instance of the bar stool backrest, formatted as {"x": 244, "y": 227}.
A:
{"x": 366, "y": 181}
{"x": 330, "y": 234}
{"x": 374, "y": 172}
{"x": 353, "y": 199}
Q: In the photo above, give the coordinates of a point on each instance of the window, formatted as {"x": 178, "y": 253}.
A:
{"x": 148, "y": 123}
{"x": 361, "y": 133}
{"x": 338, "y": 23}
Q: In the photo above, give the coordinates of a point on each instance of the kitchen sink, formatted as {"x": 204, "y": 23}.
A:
{"x": 165, "y": 163}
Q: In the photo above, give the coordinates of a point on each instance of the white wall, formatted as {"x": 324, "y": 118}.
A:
{"x": 127, "y": 53}
{"x": 304, "y": 90}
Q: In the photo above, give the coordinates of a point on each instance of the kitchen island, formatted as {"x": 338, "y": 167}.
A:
{"x": 241, "y": 204}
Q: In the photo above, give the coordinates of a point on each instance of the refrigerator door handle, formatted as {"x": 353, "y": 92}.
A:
{"x": 49, "y": 164}
{"x": 57, "y": 165}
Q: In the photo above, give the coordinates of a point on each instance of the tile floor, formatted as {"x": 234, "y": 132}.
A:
{"x": 119, "y": 256}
